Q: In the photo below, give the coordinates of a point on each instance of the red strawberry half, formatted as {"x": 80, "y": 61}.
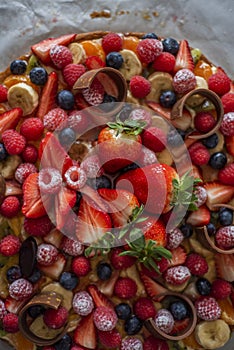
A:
{"x": 98, "y": 297}
{"x": 48, "y": 97}
{"x": 10, "y": 119}
{"x": 184, "y": 58}
{"x": 218, "y": 193}
{"x": 85, "y": 333}
{"x": 225, "y": 266}
{"x": 153, "y": 288}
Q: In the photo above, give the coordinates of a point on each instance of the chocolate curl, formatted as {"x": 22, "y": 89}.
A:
{"x": 2, "y": 188}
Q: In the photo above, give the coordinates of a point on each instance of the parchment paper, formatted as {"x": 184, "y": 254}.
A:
{"x": 207, "y": 25}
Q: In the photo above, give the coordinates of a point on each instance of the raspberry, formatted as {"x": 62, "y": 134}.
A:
{"x": 9, "y": 245}
{"x": 13, "y": 142}
{"x": 196, "y": 264}
{"x": 3, "y": 310}
{"x": 220, "y": 289}
{"x": 131, "y": 343}
{"x": 111, "y": 42}
{"x": 78, "y": 121}
{"x": 92, "y": 167}
{"x": 23, "y": 171}
{"x": 227, "y": 125}
{"x": 199, "y": 154}
{"x": 201, "y": 195}
{"x": 104, "y": 318}
{"x": 50, "y": 180}
{"x": 60, "y": 56}
{"x": 72, "y": 72}
{"x": 225, "y": 237}
{"x": 144, "y": 308}
{"x": 228, "y": 102}
{"x": 177, "y": 275}
{"x": 32, "y": 129}
{"x": 149, "y": 49}
{"x": 20, "y": 289}
{"x": 10, "y": 207}
{"x": 174, "y": 238}
{"x": 55, "y": 318}
{"x": 152, "y": 343}
{"x": 207, "y": 308}
{"x": 46, "y": 254}
{"x": 226, "y": 175}
{"x": 121, "y": 262}
{"x": 111, "y": 339}
{"x": 125, "y": 288}
{"x": 219, "y": 83}
{"x": 82, "y": 303}
{"x": 165, "y": 62}
{"x": 81, "y": 266}
{"x": 72, "y": 247}
{"x": 139, "y": 86}
{"x": 55, "y": 119}
{"x": 38, "y": 227}
{"x": 184, "y": 81}
{"x": 10, "y": 323}
{"x": 94, "y": 62}
{"x": 30, "y": 154}
{"x": 75, "y": 177}
{"x": 164, "y": 320}
{"x": 154, "y": 139}
{"x": 204, "y": 122}
{"x": 94, "y": 94}
{"x": 3, "y": 93}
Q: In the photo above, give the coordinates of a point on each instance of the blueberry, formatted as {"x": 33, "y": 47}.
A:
{"x": 104, "y": 271}
{"x": 3, "y": 152}
{"x": 68, "y": 280}
{"x": 170, "y": 45}
{"x": 35, "y": 276}
{"x": 108, "y": 103}
{"x": 38, "y": 76}
{"x": 102, "y": 182}
{"x": 211, "y": 141}
{"x": 179, "y": 310}
{"x": 35, "y": 311}
{"x": 174, "y": 138}
{"x": 129, "y": 167}
{"x": 125, "y": 112}
{"x": 133, "y": 325}
{"x": 13, "y": 273}
{"x": 167, "y": 98}
{"x": 218, "y": 160}
{"x": 225, "y": 216}
{"x": 203, "y": 286}
{"x": 114, "y": 60}
{"x": 18, "y": 67}
{"x": 78, "y": 198}
{"x": 211, "y": 229}
{"x": 187, "y": 230}
{"x": 150, "y": 36}
{"x": 123, "y": 311}
{"x": 64, "y": 343}
{"x": 67, "y": 136}
{"x": 65, "y": 99}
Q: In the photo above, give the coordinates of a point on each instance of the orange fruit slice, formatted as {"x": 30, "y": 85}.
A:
{"x": 203, "y": 69}
{"x": 130, "y": 43}
{"x": 227, "y": 311}
{"x": 93, "y": 49}
{"x": 15, "y": 79}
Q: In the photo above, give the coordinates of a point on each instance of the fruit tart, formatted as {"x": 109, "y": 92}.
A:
{"x": 116, "y": 196}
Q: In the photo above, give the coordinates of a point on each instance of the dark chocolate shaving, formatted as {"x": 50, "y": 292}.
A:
{"x": 27, "y": 256}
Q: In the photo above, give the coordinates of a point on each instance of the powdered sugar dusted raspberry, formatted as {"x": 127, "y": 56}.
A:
{"x": 149, "y": 49}
{"x": 105, "y": 319}
{"x": 75, "y": 177}
{"x": 174, "y": 238}
{"x": 177, "y": 275}
{"x": 184, "y": 81}
{"x": 78, "y": 121}
{"x": 227, "y": 125}
{"x": 50, "y": 180}
{"x": 46, "y": 254}
{"x": 60, "y": 56}
{"x": 82, "y": 303}
{"x": 95, "y": 93}
{"x": 3, "y": 310}
{"x": 20, "y": 289}
{"x": 207, "y": 309}
{"x": 55, "y": 119}
{"x": 23, "y": 171}
{"x": 164, "y": 320}
{"x": 131, "y": 343}
{"x": 201, "y": 194}
{"x": 72, "y": 247}
{"x": 92, "y": 167}
{"x": 225, "y": 237}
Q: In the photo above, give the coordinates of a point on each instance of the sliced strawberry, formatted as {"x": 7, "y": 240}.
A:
{"x": 94, "y": 62}
{"x": 109, "y": 84}
{"x": 184, "y": 57}
{"x": 13, "y": 305}
{"x": 80, "y": 101}
{"x": 229, "y": 142}
{"x": 42, "y": 49}
{"x": 33, "y": 206}
{"x": 200, "y": 217}
{"x": 48, "y": 96}
{"x": 224, "y": 264}
{"x": 180, "y": 326}
{"x": 94, "y": 94}
{"x": 98, "y": 297}
{"x": 54, "y": 271}
{"x": 218, "y": 193}
{"x": 107, "y": 287}
{"x": 178, "y": 256}
{"x": 94, "y": 196}
{"x": 10, "y": 119}
{"x": 153, "y": 288}
{"x": 92, "y": 223}
{"x": 64, "y": 202}
{"x": 85, "y": 333}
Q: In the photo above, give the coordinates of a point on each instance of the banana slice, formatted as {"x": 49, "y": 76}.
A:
{"x": 131, "y": 66}
{"x": 197, "y": 100}
{"x": 23, "y": 96}
{"x": 160, "y": 81}
{"x": 165, "y": 157}
{"x": 212, "y": 334}
{"x": 78, "y": 53}
{"x": 39, "y": 328}
{"x": 66, "y": 294}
